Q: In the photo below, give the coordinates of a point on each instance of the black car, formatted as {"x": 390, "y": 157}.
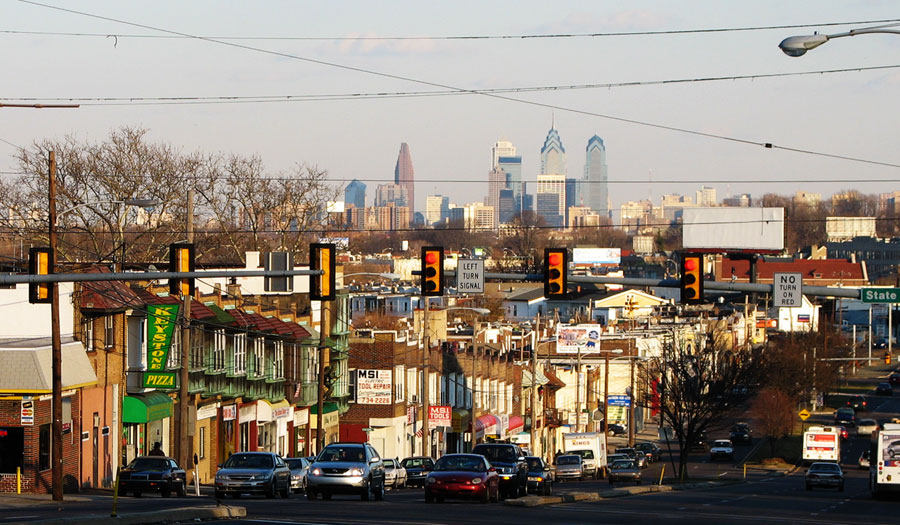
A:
{"x": 700, "y": 442}
{"x": 540, "y": 476}
{"x": 741, "y": 433}
{"x": 417, "y": 469}
{"x": 884, "y": 389}
{"x": 616, "y": 430}
{"x": 152, "y": 474}
{"x": 845, "y": 416}
{"x": 894, "y": 379}
{"x": 857, "y": 403}
{"x": 651, "y": 450}
{"x": 253, "y": 473}
{"x": 509, "y": 461}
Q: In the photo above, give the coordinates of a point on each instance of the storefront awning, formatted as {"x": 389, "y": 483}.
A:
{"x": 487, "y": 424}
{"x": 516, "y": 423}
{"x": 460, "y": 420}
{"x": 143, "y": 408}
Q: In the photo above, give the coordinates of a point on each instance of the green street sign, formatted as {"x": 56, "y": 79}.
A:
{"x": 161, "y": 319}
{"x": 880, "y": 295}
{"x": 159, "y": 380}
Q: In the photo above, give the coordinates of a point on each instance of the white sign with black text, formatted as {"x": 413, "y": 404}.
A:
{"x": 470, "y": 276}
{"x": 788, "y": 290}
{"x": 373, "y": 387}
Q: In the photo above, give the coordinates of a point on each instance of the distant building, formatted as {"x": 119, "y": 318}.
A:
{"x": 512, "y": 166}
{"x": 506, "y": 206}
{"x": 501, "y": 149}
{"x": 573, "y": 195}
{"x": 636, "y": 215}
{"x": 741, "y": 201}
{"x": 882, "y": 257}
{"x": 437, "y": 209}
{"x": 355, "y": 194}
{"x": 582, "y": 217}
{"x": 556, "y": 184}
{"x": 643, "y": 244}
{"x": 845, "y": 228}
{"x": 807, "y": 198}
{"x": 553, "y": 155}
{"x": 596, "y": 187}
{"x": 395, "y": 194}
{"x": 706, "y": 196}
{"x": 404, "y": 175}
{"x": 548, "y": 209}
{"x": 497, "y": 182}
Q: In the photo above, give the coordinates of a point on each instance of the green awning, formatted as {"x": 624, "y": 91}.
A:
{"x": 143, "y": 408}
{"x": 222, "y": 317}
{"x": 327, "y": 408}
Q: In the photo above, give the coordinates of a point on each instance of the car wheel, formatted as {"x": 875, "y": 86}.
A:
{"x": 496, "y": 497}
{"x": 286, "y": 491}
{"x": 310, "y": 495}
{"x": 523, "y": 488}
{"x": 366, "y": 493}
{"x": 548, "y": 489}
{"x": 272, "y": 490}
{"x": 180, "y": 490}
{"x": 379, "y": 493}
{"x": 484, "y": 498}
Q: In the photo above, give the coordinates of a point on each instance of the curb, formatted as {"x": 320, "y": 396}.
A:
{"x": 535, "y": 501}
{"x": 182, "y": 514}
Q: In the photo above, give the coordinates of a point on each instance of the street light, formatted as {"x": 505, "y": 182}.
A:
{"x": 796, "y": 46}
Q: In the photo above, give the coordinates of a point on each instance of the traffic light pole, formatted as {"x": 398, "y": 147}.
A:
{"x": 56, "y": 464}
{"x": 425, "y": 401}
{"x": 184, "y": 449}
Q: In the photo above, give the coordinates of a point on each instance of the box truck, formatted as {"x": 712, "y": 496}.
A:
{"x": 591, "y": 446}
{"x": 884, "y": 463}
{"x": 822, "y": 444}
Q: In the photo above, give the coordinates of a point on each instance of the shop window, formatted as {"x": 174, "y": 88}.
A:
{"x": 12, "y": 449}
{"x": 44, "y": 447}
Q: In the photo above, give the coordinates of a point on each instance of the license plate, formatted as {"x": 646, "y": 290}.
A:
{"x": 533, "y": 478}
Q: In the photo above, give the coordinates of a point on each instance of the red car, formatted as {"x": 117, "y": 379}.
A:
{"x": 843, "y": 431}
{"x": 462, "y": 476}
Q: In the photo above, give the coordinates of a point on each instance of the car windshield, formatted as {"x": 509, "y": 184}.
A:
{"x": 867, "y": 422}
{"x": 464, "y": 463}
{"x": 585, "y": 454}
{"x": 534, "y": 463}
{"x": 294, "y": 464}
{"x": 568, "y": 460}
{"x": 722, "y": 443}
{"x": 255, "y": 461}
{"x": 622, "y": 464}
{"x": 149, "y": 464}
{"x": 389, "y": 463}
{"x": 504, "y": 454}
{"x": 417, "y": 463}
{"x": 342, "y": 453}
{"x": 824, "y": 467}
{"x": 845, "y": 412}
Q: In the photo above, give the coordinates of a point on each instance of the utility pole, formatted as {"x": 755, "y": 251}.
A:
{"x": 426, "y": 432}
{"x": 534, "y": 385}
{"x": 474, "y": 429}
{"x": 56, "y": 474}
{"x": 184, "y": 448}
{"x": 606, "y": 392}
{"x": 578, "y": 392}
{"x": 320, "y": 400}
{"x": 633, "y": 405}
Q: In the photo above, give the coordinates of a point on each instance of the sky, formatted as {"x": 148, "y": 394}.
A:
{"x": 845, "y": 114}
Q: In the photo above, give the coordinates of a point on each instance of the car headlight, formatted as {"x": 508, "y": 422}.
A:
{"x": 296, "y": 476}
{"x": 261, "y": 477}
{"x": 476, "y": 481}
{"x": 357, "y": 471}
{"x": 430, "y": 480}
{"x": 221, "y": 477}
{"x": 507, "y": 470}
{"x": 316, "y": 472}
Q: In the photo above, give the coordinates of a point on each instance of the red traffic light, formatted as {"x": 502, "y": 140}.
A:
{"x": 555, "y": 258}
{"x": 431, "y": 257}
{"x": 690, "y": 264}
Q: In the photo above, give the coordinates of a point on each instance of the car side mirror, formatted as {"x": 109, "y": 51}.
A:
{"x": 374, "y": 460}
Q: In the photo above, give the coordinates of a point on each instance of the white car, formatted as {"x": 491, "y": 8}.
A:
{"x": 865, "y": 427}
{"x": 394, "y": 473}
{"x": 721, "y": 448}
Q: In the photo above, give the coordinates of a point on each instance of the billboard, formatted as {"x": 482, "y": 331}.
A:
{"x": 373, "y": 387}
{"x": 571, "y": 338}
{"x": 734, "y": 229}
{"x": 596, "y": 256}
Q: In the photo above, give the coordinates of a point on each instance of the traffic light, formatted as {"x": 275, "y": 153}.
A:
{"x": 692, "y": 279}
{"x": 887, "y": 358}
{"x": 39, "y": 264}
{"x": 321, "y": 257}
{"x": 432, "y": 278}
{"x": 556, "y": 264}
{"x": 181, "y": 259}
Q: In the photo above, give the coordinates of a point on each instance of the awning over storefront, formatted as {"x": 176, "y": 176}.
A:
{"x": 263, "y": 411}
{"x": 516, "y": 423}
{"x": 330, "y": 415}
{"x": 143, "y": 408}
{"x": 487, "y": 424}
{"x": 460, "y": 420}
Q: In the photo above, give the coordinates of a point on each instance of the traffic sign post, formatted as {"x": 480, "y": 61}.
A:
{"x": 788, "y": 288}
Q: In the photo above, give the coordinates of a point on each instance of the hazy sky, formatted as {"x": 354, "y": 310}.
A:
{"x": 853, "y": 114}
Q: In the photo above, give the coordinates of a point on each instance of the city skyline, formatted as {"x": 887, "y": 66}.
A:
{"x": 667, "y": 124}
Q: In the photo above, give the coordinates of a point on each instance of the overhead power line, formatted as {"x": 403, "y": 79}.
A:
{"x": 319, "y": 97}
{"x": 748, "y": 142}
{"x": 457, "y": 37}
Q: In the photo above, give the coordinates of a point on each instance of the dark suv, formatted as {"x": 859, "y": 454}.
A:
{"x": 509, "y": 460}
{"x": 740, "y": 433}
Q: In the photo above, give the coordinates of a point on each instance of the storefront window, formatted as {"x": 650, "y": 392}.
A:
{"x": 12, "y": 449}
{"x": 44, "y": 447}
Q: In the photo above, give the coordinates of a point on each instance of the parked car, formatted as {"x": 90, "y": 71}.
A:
{"x": 857, "y": 403}
{"x": 741, "y": 433}
{"x": 632, "y": 453}
{"x": 464, "y": 476}
{"x": 417, "y": 469}
{"x": 616, "y": 430}
{"x": 394, "y": 473}
{"x": 864, "y": 459}
{"x": 253, "y": 473}
{"x": 822, "y": 474}
{"x": 650, "y": 450}
{"x": 721, "y": 449}
{"x": 624, "y": 470}
{"x": 865, "y": 427}
{"x": 540, "y": 476}
{"x": 894, "y": 379}
{"x": 509, "y": 460}
{"x": 614, "y": 457}
{"x": 845, "y": 416}
{"x": 299, "y": 469}
{"x": 152, "y": 474}
{"x": 346, "y": 468}
{"x": 569, "y": 467}
{"x": 884, "y": 389}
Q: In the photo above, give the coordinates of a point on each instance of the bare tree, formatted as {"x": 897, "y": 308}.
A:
{"x": 774, "y": 410}
{"x": 701, "y": 382}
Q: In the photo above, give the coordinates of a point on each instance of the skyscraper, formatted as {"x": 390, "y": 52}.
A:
{"x": 501, "y": 149}
{"x": 556, "y": 184}
{"x": 405, "y": 176}
{"x": 355, "y": 194}
{"x": 496, "y": 183}
{"x": 512, "y": 166}
{"x": 553, "y": 155}
{"x": 437, "y": 209}
{"x": 391, "y": 193}
{"x": 596, "y": 189}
